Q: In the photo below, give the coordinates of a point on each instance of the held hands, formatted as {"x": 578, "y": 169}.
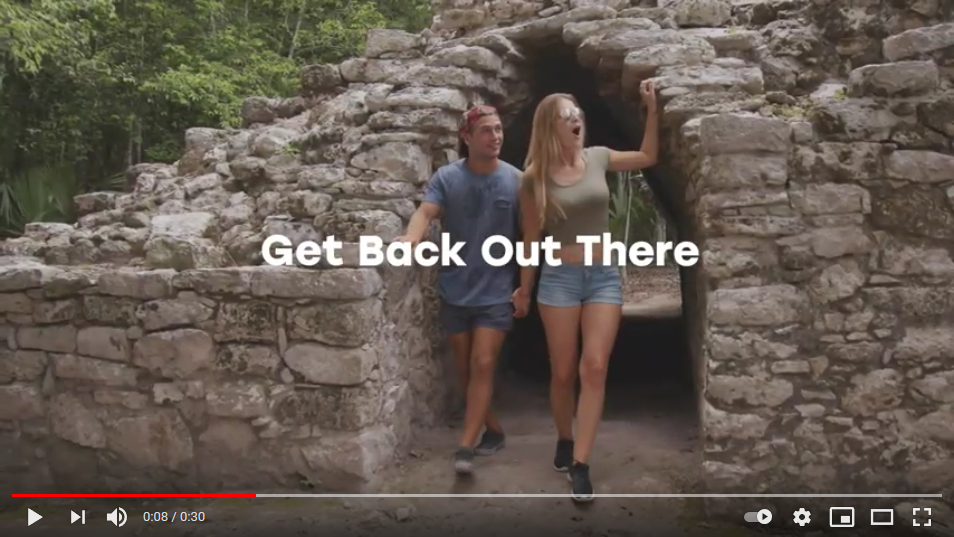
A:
{"x": 521, "y": 302}
{"x": 647, "y": 92}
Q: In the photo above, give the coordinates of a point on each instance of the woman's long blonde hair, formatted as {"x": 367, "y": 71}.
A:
{"x": 544, "y": 150}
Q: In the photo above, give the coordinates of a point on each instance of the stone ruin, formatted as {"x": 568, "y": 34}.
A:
{"x": 149, "y": 348}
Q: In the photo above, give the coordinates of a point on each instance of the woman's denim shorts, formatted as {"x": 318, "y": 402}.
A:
{"x": 573, "y": 285}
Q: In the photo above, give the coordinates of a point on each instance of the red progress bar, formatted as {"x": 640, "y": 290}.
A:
{"x": 134, "y": 496}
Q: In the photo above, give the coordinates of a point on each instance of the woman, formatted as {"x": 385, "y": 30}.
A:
{"x": 565, "y": 194}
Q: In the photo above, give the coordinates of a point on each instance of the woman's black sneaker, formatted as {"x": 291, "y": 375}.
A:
{"x": 564, "y": 455}
{"x": 580, "y": 487}
{"x": 491, "y": 442}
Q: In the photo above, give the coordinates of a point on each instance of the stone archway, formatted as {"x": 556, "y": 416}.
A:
{"x": 820, "y": 318}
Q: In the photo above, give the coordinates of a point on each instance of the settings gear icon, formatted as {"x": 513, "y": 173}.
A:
{"x": 802, "y": 517}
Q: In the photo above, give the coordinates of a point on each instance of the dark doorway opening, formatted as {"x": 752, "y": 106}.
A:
{"x": 650, "y": 369}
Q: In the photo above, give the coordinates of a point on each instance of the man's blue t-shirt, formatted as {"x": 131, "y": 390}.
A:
{"x": 475, "y": 208}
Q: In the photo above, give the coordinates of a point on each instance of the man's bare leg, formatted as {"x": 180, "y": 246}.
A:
{"x": 461, "y": 346}
{"x": 485, "y": 350}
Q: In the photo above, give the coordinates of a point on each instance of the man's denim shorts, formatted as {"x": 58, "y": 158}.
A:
{"x": 574, "y": 285}
{"x": 460, "y": 319}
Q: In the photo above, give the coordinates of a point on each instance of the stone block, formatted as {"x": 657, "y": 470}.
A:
{"x": 877, "y": 391}
{"x": 902, "y": 79}
{"x": 173, "y": 313}
{"x": 926, "y": 344}
{"x": 350, "y": 461}
{"x": 382, "y": 41}
{"x": 699, "y": 13}
{"x": 158, "y": 439}
{"x": 333, "y": 284}
{"x": 71, "y": 420}
{"x": 346, "y": 324}
{"x": 144, "y": 285}
{"x": 248, "y": 359}
{"x": 98, "y": 372}
{"x": 743, "y": 171}
{"x": 397, "y": 161}
{"x": 104, "y": 342}
{"x": 177, "y": 354}
{"x": 335, "y": 366}
{"x": 918, "y": 41}
{"x": 237, "y": 400}
{"x": 757, "y": 306}
{"x": 831, "y": 198}
{"x": 575, "y": 33}
{"x": 53, "y": 338}
{"x": 926, "y": 167}
{"x": 738, "y": 133}
{"x": 752, "y": 391}
{"x": 21, "y": 402}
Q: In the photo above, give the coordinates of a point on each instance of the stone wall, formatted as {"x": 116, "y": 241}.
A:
{"x": 253, "y": 377}
{"x": 815, "y": 172}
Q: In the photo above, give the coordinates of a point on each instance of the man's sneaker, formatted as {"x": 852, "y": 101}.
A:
{"x": 564, "y": 455}
{"x": 464, "y": 461}
{"x": 491, "y": 442}
{"x": 580, "y": 487}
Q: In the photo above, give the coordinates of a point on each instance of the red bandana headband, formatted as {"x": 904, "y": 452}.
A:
{"x": 474, "y": 114}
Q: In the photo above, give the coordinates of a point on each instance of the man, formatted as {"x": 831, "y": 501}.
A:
{"x": 476, "y": 198}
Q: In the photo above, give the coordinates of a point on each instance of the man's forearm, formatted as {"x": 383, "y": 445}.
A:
{"x": 418, "y": 226}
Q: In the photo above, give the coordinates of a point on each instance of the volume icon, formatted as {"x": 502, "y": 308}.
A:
{"x": 117, "y": 517}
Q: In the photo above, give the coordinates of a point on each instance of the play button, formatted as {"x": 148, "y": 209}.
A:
{"x": 32, "y": 517}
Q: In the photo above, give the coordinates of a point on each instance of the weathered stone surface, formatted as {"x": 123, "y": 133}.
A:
{"x": 175, "y": 353}
{"x": 237, "y": 400}
{"x": 894, "y": 79}
{"x": 920, "y": 166}
{"x": 258, "y": 360}
{"x": 323, "y": 364}
{"x": 382, "y": 41}
{"x": 142, "y": 285}
{"x": 749, "y": 390}
{"x": 158, "y": 439}
{"x": 21, "y": 402}
{"x": 699, "y": 12}
{"x": 874, "y": 392}
{"x": 56, "y": 338}
{"x": 831, "y": 198}
{"x": 348, "y": 324}
{"x": 918, "y": 41}
{"x": 103, "y": 342}
{"x": 21, "y": 365}
{"x": 71, "y": 420}
{"x": 757, "y": 306}
{"x": 736, "y": 133}
{"x": 165, "y": 314}
{"x": 69, "y": 366}
{"x": 335, "y": 284}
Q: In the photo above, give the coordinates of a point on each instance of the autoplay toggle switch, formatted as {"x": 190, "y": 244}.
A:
{"x": 764, "y": 516}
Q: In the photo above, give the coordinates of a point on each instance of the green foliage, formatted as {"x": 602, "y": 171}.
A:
{"x": 98, "y": 85}
{"x": 625, "y": 199}
{"x": 42, "y": 195}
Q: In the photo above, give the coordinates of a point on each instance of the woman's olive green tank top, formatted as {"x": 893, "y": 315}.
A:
{"x": 584, "y": 205}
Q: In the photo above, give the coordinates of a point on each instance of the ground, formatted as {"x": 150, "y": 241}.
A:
{"x": 652, "y": 292}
